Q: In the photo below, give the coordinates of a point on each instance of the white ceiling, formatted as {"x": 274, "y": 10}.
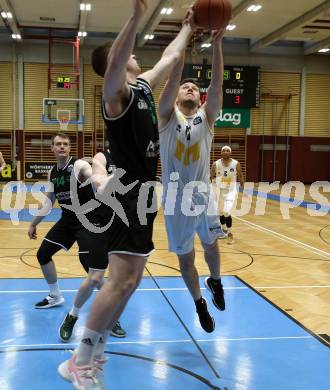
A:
{"x": 108, "y": 16}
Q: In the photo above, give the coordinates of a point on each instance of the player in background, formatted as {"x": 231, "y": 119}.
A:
{"x": 227, "y": 172}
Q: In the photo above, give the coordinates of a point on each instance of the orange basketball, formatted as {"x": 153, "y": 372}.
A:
{"x": 212, "y": 14}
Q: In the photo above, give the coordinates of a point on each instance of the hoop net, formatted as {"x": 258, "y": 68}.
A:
{"x": 63, "y": 117}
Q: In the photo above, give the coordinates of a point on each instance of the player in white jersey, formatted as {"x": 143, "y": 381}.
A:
{"x": 227, "y": 172}
{"x": 186, "y": 133}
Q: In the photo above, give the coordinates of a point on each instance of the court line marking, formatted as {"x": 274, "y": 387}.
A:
{"x": 8, "y": 346}
{"x": 26, "y": 228}
{"x": 172, "y": 289}
{"x": 287, "y": 239}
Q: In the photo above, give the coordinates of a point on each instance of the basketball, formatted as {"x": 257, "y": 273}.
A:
{"x": 212, "y": 14}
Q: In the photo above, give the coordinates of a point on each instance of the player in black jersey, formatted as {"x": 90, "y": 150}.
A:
{"x": 87, "y": 287}
{"x": 132, "y": 129}
{"x": 67, "y": 231}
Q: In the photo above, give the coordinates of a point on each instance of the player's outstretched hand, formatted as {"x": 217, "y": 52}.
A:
{"x": 190, "y": 18}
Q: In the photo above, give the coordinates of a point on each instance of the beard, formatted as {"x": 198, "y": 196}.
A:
{"x": 190, "y": 104}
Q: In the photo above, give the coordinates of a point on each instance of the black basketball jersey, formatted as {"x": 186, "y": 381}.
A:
{"x": 133, "y": 136}
{"x": 61, "y": 181}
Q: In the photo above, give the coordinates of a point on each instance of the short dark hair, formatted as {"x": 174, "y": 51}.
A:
{"x": 61, "y": 135}
{"x": 100, "y": 59}
{"x": 190, "y": 80}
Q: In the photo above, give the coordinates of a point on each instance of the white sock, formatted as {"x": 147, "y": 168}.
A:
{"x": 229, "y": 230}
{"x": 99, "y": 352}
{"x": 74, "y": 311}
{"x": 87, "y": 347}
{"x": 54, "y": 290}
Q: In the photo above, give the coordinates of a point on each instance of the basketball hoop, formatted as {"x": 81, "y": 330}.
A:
{"x": 63, "y": 118}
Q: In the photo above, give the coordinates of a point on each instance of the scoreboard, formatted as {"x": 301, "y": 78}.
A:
{"x": 241, "y": 84}
{"x": 63, "y": 82}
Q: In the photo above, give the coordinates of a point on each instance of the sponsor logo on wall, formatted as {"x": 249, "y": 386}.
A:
{"x": 8, "y": 174}
{"x": 37, "y": 171}
{"x": 234, "y": 117}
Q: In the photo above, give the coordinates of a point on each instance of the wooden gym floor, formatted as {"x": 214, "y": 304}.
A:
{"x": 285, "y": 260}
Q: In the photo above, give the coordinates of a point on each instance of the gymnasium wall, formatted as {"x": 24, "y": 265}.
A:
{"x": 305, "y": 159}
{"x": 280, "y": 76}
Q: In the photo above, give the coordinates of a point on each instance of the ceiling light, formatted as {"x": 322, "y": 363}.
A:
{"x": 85, "y": 6}
{"x": 6, "y": 15}
{"x": 82, "y": 34}
{"x": 206, "y": 45}
{"x": 16, "y": 36}
{"x": 149, "y": 36}
{"x": 166, "y": 11}
{"x": 254, "y": 8}
{"x": 325, "y": 50}
{"x": 231, "y": 27}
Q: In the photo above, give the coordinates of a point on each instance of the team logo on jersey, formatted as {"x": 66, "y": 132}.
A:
{"x": 152, "y": 149}
{"x": 197, "y": 120}
{"x": 178, "y": 128}
{"x": 142, "y": 105}
{"x": 232, "y": 169}
{"x": 188, "y": 128}
{"x": 69, "y": 168}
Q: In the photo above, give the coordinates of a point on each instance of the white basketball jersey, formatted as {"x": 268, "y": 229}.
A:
{"x": 185, "y": 146}
{"x": 226, "y": 175}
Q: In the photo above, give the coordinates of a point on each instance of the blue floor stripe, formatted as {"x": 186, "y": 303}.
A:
{"x": 254, "y": 346}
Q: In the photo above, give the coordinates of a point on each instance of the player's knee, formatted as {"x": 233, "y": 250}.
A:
{"x": 44, "y": 256}
{"x": 226, "y": 214}
{"x": 130, "y": 283}
{"x": 95, "y": 279}
{"x": 210, "y": 248}
{"x": 186, "y": 262}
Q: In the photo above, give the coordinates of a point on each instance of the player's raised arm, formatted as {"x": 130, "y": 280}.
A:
{"x": 172, "y": 54}
{"x": 169, "y": 94}
{"x": 214, "y": 93}
{"x": 115, "y": 87}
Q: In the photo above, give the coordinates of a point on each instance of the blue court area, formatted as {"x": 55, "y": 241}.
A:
{"x": 255, "y": 346}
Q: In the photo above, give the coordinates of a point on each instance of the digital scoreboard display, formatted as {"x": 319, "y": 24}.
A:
{"x": 63, "y": 82}
{"x": 241, "y": 84}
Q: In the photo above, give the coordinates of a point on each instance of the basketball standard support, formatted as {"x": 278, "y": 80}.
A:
{"x": 275, "y": 100}
{"x": 72, "y": 69}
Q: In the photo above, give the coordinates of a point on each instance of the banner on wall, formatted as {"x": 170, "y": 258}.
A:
{"x": 37, "y": 171}
{"x": 234, "y": 117}
{"x": 8, "y": 174}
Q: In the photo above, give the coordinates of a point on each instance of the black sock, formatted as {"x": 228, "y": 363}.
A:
{"x": 229, "y": 221}
{"x": 222, "y": 220}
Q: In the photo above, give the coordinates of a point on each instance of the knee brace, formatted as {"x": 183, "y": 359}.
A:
{"x": 46, "y": 252}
